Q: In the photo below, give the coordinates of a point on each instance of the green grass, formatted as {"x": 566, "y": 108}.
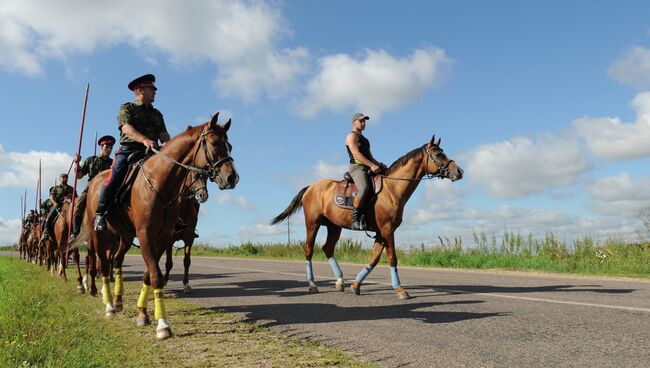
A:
{"x": 512, "y": 252}
{"x": 44, "y": 322}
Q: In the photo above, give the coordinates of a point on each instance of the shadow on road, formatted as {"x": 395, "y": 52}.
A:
{"x": 283, "y": 314}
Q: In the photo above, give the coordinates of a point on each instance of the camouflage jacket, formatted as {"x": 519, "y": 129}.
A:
{"x": 59, "y": 192}
{"x": 46, "y": 206}
{"x": 93, "y": 165}
{"x": 146, "y": 119}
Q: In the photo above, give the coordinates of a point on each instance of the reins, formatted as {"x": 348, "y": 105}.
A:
{"x": 441, "y": 173}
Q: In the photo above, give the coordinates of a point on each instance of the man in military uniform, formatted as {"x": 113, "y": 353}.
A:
{"x": 58, "y": 193}
{"x": 46, "y": 206}
{"x": 141, "y": 126}
{"x": 29, "y": 221}
{"x": 91, "y": 166}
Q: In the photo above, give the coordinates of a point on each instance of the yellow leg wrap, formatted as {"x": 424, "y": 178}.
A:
{"x": 159, "y": 303}
{"x": 119, "y": 282}
{"x": 106, "y": 290}
{"x": 143, "y": 300}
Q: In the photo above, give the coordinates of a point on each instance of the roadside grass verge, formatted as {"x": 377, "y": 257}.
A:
{"x": 511, "y": 252}
{"x": 44, "y": 322}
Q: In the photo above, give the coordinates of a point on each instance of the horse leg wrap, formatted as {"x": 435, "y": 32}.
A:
{"x": 310, "y": 273}
{"x": 106, "y": 290}
{"x": 143, "y": 300}
{"x": 119, "y": 282}
{"x": 394, "y": 277}
{"x": 335, "y": 268}
{"x": 364, "y": 273}
{"x": 159, "y": 304}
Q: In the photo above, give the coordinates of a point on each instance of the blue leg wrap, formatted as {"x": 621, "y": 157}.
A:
{"x": 310, "y": 273}
{"x": 338, "y": 273}
{"x": 394, "y": 277}
{"x": 364, "y": 272}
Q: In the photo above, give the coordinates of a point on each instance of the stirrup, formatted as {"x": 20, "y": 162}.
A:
{"x": 357, "y": 226}
{"x": 100, "y": 222}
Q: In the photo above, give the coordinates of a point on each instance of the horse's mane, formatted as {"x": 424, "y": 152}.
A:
{"x": 404, "y": 159}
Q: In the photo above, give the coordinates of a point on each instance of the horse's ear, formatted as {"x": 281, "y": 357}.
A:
{"x": 433, "y": 138}
{"x": 227, "y": 125}
{"x": 438, "y": 142}
{"x": 213, "y": 121}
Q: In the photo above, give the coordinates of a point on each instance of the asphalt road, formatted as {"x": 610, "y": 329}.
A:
{"x": 455, "y": 318}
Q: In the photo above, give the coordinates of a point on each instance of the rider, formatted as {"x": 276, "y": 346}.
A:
{"x": 30, "y": 220}
{"x": 57, "y": 194}
{"x": 46, "y": 206}
{"x": 141, "y": 126}
{"x": 91, "y": 166}
{"x": 361, "y": 160}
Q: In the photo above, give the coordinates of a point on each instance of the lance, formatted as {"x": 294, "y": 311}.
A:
{"x": 74, "y": 188}
{"x": 40, "y": 188}
{"x": 95, "y": 144}
{"x": 22, "y": 221}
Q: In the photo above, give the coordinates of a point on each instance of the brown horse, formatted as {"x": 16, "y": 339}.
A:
{"x": 152, "y": 209}
{"x": 189, "y": 217}
{"x": 59, "y": 241}
{"x": 384, "y": 214}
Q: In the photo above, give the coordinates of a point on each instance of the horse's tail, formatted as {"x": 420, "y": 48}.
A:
{"x": 84, "y": 233}
{"x": 294, "y": 206}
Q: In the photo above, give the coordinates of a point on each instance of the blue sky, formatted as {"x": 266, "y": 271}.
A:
{"x": 545, "y": 105}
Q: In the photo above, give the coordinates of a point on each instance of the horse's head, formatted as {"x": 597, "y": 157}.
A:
{"x": 438, "y": 164}
{"x": 196, "y": 184}
{"x": 216, "y": 154}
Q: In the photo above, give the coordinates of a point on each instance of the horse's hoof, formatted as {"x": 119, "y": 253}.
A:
{"x": 163, "y": 333}
{"x": 141, "y": 322}
{"x": 92, "y": 292}
{"x": 313, "y": 289}
{"x": 356, "y": 287}
{"x": 110, "y": 311}
{"x": 119, "y": 307}
{"x": 340, "y": 286}
{"x": 81, "y": 289}
{"x": 84, "y": 282}
{"x": 187, "y": 289}
{"x": 402, "y": 294}
{"x": 165, "y": 283}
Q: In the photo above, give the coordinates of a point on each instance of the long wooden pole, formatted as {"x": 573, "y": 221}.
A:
{"x": 74, "y": 190}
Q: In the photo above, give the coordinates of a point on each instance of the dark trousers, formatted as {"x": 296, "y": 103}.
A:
{"x": 50, "y": 218}
{"x": 118, "y": 171}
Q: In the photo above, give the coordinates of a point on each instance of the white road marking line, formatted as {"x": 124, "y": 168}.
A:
{"x": 608, "y": 306}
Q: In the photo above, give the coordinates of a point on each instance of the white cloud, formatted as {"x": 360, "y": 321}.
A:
{"x": 611, "y": 139}
{"x": 19, "y": 169}
{"x": 442, "y": 201}
{"x": 258, "y": 230}
{"x": 224, "y": 198}
{"x": 633, "y": 68}
{"x": 520, "y": 167}
{"x": 376, "y": 83}
{"x": 327, "y": 170}
{"x": 238, "y": 37}
{"x": 9, "y": 231}
{"x": 619, "y": 195}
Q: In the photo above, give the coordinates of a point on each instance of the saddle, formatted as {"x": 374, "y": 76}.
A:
{"x": 346, "y": 190}
{"x": 135, "y": 160}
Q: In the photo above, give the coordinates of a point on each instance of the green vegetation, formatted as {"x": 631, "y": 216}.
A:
{"x": 44, "y": 322}
{"x": 512, "y": 251}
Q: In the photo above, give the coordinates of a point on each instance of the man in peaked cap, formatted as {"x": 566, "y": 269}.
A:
{"x": 361, "y": 160}
{"x": 58, "y": 194}
{"x": 141, "y": 126}
{"x": 91, "y": 166}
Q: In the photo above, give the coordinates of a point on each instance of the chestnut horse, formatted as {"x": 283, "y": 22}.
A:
{"x": 152, "y": 209}
{"x": 58, "y": 241}
{"x": 189, "y": 216}
{"x": 384, "y": 213}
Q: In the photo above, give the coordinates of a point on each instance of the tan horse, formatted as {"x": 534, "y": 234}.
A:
{"x": 189, "y": 216}
{"x": 384, "y": 213}
{"x": 151, "y": 211}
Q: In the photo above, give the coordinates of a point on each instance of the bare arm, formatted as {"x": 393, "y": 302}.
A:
{"x": 352, "y": 141}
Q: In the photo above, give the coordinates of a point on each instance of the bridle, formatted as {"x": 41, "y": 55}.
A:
{"x": 441, "y": 173}
{"x": 212, "y": 168}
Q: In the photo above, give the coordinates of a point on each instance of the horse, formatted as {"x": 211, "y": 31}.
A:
{"x": 384, "y": 212}
{"x": 189, "y": 216}
{"x": 151, "y": 210}
{"x": 59, "y": 241}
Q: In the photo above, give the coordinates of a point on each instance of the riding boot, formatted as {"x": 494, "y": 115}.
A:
{"x": 44, "y": 237}
{"x": 357, "y": 224}
{"x": 100, "y": 214}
